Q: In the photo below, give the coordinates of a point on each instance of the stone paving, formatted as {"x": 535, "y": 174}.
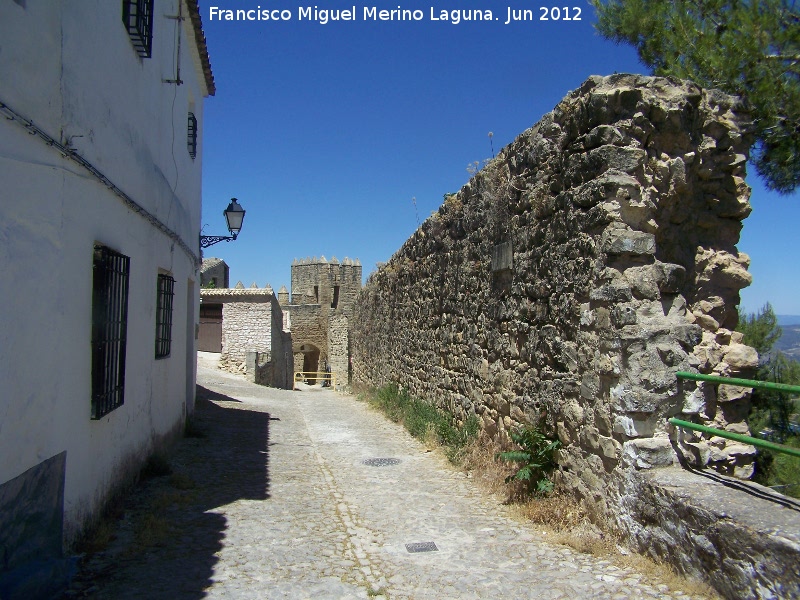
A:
{"x": 277, "y": 502}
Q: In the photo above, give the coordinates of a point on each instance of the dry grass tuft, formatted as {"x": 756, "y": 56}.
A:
{"x": 655, "y": 570}
{"x": 557, "y": 512}
{"x": 479, "y": 460}
{"x": 181, "y": 481}
{"x": 165, "y": 500}
{"x": 98, "y": 537}
{"x": 430, "y": 438}
{"x": 157, "y": 465}
{"x": 152, "y": 530}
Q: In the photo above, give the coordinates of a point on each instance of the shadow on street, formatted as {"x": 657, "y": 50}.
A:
{"x": 167, "y": 535}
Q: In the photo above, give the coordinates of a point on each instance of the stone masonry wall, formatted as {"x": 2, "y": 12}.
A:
{"x": 338, "y": 347}
{"x": 247, "y": 322}
{"x": 245, "y": 326}
{"x": 573, "y": 276}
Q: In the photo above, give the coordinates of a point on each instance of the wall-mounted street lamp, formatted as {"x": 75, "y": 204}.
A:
{"x": 234, "y": 215}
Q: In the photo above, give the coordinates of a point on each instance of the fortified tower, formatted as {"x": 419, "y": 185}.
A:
{"x": 327, "y": 283}
{"x": 322, "y": 299}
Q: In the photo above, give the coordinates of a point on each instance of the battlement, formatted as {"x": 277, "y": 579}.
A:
{"x": 329, "y": 283}
{"x": 347, "y": 262}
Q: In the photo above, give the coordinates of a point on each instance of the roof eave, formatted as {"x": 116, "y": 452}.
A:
{"x": 202, "y": 47}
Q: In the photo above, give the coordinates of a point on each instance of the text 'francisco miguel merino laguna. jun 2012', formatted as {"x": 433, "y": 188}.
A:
{"x": 324, "y": 16}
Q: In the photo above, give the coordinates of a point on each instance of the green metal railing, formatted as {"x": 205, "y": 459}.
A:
{"x": 745, "y": 439}
{"x": 766, "y": 385}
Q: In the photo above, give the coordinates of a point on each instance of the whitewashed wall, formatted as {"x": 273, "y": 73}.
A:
{"x": 71, "y": 68}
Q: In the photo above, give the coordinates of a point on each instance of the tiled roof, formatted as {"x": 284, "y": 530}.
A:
{"x": 222, "y": 293}
{"x": 202, "y": 48}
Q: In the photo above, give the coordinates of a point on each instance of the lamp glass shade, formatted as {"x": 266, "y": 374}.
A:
{"x": 234, "y": 215}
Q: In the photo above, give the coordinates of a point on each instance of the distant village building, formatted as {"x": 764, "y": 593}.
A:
{"x": 305, "y": 331}
{"x": 214, "y": 273}
{"x": 101, "y": 121}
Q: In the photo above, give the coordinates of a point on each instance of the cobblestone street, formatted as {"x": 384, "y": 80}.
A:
{"x": 277, "y": 502}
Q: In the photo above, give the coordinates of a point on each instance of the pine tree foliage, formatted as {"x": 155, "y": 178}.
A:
{"x": 750, "y": 48}
{"x": 770, "y": 408}
{"x": 760, "y": 330}
{"x": 773, "y": 413}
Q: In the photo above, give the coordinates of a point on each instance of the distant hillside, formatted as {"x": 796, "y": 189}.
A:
{"x": 789, "y": 342}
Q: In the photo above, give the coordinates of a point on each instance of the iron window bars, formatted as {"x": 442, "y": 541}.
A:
{"x": 165, "y": 293}
{"x": 110, "y": 281}
{"x": 137, "y": 15}
{"x": 192, "y": 135}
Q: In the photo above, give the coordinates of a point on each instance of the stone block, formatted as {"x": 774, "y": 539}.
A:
{"x": 671, "y": 277}
{"x": 740, "y": 357}
{"x": 563, "y": 433}
{"x": 611, "y": 293}
{"x": 697, "y": 454}
{"x": 590, "y": 386}
{"x": 609, "y": 448}
{"x": 694, "y": 402}
{"x": 620, "y": 241}
{"x": 569, "y": 356}
{"x": 643, "y": 281}
{"x": 646, "y": 453}
{"x": 590, "y": 439}
{"x": 622, "y": 315}
{"x": 630, "y": 400}
{"x": 603, "y": 421}
{"x": 732, "y": 393}
{"x": 573, "y": 412}
{"x": 706, "y": 321}
{"x": 687, "y": 335}
{"x": 633, "y": 428}
{"x": 608, "y": 157}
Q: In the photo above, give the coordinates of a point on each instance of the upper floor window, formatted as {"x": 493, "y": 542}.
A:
{"x": 166, "y": 287}
{"x": 109, "y": 329}
{"x": 137, "y": 15}
{"x": 192, "y": 135}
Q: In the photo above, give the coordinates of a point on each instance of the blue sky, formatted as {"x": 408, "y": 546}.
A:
{"x": 325, "y": 133}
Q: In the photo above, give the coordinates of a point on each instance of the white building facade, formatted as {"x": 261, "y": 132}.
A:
{"x": 101, "y": 118}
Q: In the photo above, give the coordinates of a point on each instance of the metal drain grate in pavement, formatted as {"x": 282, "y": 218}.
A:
{"x": 421, "y": 547}
{"x": 381, "y": 462}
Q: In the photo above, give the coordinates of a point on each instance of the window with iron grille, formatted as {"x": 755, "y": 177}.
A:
{"x": 192, "y": 137}
{"x": 109, "y": 329}
{"x": 166, "y": 286}
{"x": 137, "y": 15}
